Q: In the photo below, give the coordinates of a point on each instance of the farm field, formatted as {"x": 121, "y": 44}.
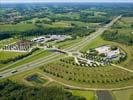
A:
{"x": 125, "y": 22}
{"x": 18, "y": 27}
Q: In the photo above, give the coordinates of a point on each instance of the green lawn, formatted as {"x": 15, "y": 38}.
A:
{"x": 127, "y": 19}
{"x": 68, "y": 43}
{"x": 123, "y": 94}
{"x": 4, "y": 55}
{"x": 20, "y": 77}
{"x": 89, "y": 95}
{"x": 95, "y": 43}
{"x": 33, "y": 57}
{"x": 18, "y": 27}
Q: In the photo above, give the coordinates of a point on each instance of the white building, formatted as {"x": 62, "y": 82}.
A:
{"x": 107, "y": 51}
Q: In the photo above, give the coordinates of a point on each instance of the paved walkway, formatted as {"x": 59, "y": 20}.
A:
{"x": 83, "y": 88}
{"x": 129, "y": 70}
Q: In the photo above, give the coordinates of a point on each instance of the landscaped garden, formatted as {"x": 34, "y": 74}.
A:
{"x": 68, "y": 71}
{"x": 36, "y": 79}
{"x": 102, "y": 56}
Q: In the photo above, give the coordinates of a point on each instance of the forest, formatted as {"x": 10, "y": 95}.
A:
{"x": 13, "y": 91}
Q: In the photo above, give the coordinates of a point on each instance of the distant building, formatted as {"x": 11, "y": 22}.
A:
{"x": 108, "y": 52}
{"x": 24, "y": 44}
{"x": 21, "y": 46}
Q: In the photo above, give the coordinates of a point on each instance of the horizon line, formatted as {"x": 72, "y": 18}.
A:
{"x": 63, "y": 2}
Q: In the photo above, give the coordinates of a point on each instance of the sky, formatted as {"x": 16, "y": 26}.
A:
{"x": 17, "y": 1}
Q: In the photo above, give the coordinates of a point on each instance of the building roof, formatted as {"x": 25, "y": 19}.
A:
{"x": 24, "y": 43}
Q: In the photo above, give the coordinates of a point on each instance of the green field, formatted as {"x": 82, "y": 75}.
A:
{"x": 7, "y": 55}
{"x": 17, "y": 27}
{"x": 126, "y": 94}
{"x": 33, "y": 57}
{"x": 20, "y": 27}
{"x": 66, "y": 44}
{"x": 89, "y": 95}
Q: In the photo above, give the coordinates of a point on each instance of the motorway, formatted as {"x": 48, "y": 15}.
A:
{"x": 55, "y": 56}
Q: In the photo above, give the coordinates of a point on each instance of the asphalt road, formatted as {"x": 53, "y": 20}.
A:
{"x": 54, "y": 57}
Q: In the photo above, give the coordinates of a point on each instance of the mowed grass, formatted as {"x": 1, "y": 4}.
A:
{"x": 128, "y": 19}
{"x": 17, "y": 27}
{"x": 125, "y": 22}
{"x": 4, "y": 55}
{"x": 8, "y": 55}
{"x": 123, "y": 94}
{"x": 33, "y": 57}
{"x": 21, "y": 27}
{"x": 68, "y": 43}
{"x": 61, "y": 24}
{"x": 68, "y": 15}
{"x": 89, "y": 95}
{"x": 20, "y": 78}
{"x": 95, "y": 43}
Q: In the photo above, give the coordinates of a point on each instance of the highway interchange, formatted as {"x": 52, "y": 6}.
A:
{"x": 56, "y": 56}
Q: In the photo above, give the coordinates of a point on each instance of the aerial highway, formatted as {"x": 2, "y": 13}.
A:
{"x": 55, "y": 56}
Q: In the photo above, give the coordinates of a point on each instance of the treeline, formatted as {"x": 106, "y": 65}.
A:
{"x": 13, "y": 91}
{"x": 18, "y": 57}
{"x": 4, "y": 35}
{"x": 114, "y": 35}
{"x": 50, "y": 31}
